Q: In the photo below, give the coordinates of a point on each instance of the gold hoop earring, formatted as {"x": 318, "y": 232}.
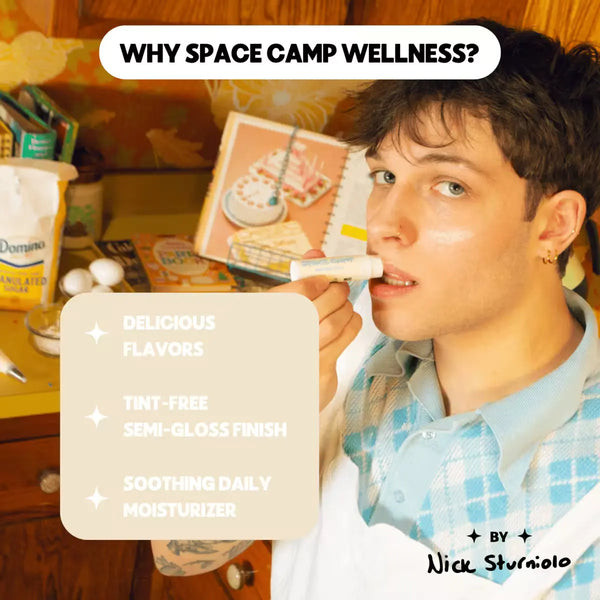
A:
{"x": 549, "y": 260}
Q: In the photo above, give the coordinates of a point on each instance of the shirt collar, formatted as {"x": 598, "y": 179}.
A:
{"x": 399, "y": 359}
{"x": 520, "y": 421}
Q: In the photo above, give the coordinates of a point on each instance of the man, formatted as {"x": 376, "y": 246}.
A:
{"x": 465, "y": 456}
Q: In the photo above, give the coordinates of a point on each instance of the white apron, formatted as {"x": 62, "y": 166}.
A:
{"x": 343, "y": 558}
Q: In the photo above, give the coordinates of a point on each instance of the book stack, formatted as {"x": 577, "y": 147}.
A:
{"x": 34, "y": 126}
{"x": 54, "y": 117}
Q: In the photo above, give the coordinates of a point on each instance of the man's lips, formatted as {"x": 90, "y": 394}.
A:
{"x": 394, "y": 283}
{"x": 394, "y": 276}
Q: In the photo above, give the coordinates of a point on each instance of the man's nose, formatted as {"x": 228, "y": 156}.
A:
{"x": 392, "y": 218}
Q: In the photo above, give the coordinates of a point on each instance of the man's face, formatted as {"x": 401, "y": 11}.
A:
{"x": 450, "y": 219}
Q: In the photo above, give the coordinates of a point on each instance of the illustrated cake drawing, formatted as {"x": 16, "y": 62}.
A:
{"x": 300, "y": 174}
{"x": 302, "y": 182}
{"x": 252, "y": 202}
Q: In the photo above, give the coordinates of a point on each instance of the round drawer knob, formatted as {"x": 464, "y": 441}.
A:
{"x": 240, "y": 575}
{"x": 49, "y": 481}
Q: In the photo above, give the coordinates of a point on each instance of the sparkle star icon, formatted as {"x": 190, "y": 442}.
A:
{"x": 96, "y": 498}
{"x": 96, "y": 416}
{"x": 474, "y": 535}
{"x": 96, "y": 333}
{"x": 524, "y": 536}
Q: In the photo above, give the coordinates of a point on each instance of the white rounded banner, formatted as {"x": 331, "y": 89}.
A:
{"x": 299, "y": 52}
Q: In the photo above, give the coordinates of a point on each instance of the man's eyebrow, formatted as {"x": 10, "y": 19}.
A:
{"x": 439, "y": 157}
{"x": 443, "y": 157}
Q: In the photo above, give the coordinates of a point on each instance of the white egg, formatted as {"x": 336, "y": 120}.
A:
{"x": 101, "y": 289}
{"x": 106, "y": 271}
{"x": 77, "y": 281}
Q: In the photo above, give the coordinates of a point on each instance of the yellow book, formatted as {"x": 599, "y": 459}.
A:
{"x": 172, "y": 266}
{"x": 6, "y": 140}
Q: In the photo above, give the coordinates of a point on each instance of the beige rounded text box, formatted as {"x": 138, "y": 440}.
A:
{"x": 189, "y": 416}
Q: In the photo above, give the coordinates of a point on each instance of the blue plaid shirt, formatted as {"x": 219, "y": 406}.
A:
{"x": 514, "y": 465}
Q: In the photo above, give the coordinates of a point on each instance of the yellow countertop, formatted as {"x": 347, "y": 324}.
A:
{"x": 40, "y": 395}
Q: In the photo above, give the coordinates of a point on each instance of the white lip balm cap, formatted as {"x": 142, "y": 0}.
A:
{"x": 294, "y": 270}
{"x": 376, "y": 266}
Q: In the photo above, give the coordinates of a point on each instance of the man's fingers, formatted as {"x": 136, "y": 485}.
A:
{"x": 313, "y": 253}
{"x": 331, "y": 326}
{"x": 329, "y": 354}
{"x": 311, "y": 287}
{"x": 332, "y": 299}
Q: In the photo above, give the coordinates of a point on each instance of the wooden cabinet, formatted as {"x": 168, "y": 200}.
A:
{"x": 253, "y": 569}
{"x": 40, "y": 560}
{"x": 38, "y": 557}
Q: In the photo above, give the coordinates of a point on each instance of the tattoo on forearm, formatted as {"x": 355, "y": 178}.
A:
{"x": 214, "y": 554}
{"x": 195, "y": 546}
{"x": 204, "y": 564}
{"x": 238, "y": 548}
{"x": 168, "y": 568}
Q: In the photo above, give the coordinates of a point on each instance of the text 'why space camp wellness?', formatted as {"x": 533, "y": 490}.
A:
{"x": 189, "y": 416}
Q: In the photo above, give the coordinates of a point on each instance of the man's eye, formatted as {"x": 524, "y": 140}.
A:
{"x": 450, "y": 189}
{"x": 383, "y": 177}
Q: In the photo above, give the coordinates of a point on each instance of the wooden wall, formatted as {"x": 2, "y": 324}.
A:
{"x": 571, "y": 20}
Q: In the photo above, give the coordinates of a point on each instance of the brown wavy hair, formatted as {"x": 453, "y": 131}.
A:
{"x": 542, "y": 101}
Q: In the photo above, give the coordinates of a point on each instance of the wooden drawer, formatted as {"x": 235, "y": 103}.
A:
{"x": 257, "y": 561}
{"x": 40, "y": 560}
{"x": 22, "y": 464}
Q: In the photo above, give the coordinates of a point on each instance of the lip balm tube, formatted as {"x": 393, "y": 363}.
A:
{"x": 338, "y": 268}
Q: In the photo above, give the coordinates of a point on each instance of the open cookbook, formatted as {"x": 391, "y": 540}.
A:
{"x": 279, "y": 191}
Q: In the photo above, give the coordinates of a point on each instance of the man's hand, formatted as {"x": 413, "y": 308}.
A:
{"x": 338, "y": 323}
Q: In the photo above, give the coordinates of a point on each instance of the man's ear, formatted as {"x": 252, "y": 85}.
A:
{"x": 560, "y": 218}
